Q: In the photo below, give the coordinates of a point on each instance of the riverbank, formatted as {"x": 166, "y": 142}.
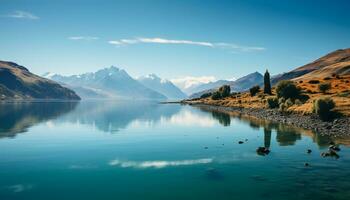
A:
{"x": 337, "y": 127}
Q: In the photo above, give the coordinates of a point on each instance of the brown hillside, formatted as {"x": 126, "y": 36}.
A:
{"x": 341, "y": 68}
{"x": 339, "y": 58}
{"x": 16, "y": 82}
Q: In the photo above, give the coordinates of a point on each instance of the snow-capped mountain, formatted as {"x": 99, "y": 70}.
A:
{"x": 162, "y": 86}
{"x": 109, "y": 82}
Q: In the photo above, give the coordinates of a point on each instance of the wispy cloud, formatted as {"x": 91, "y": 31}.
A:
{"x": 158, "y": 164}
{"x": 221, "y": 45}
{"x": 189, "y": 81}
{"x": 22, "y": 15}
{"x": 86, "y": 38}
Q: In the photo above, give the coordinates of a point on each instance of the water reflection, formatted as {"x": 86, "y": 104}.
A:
{"x": 111, "y": 116}
{"x": 223, "y": 118}
{"x": 286, "y": 135}
{"x": 18, "y": 117}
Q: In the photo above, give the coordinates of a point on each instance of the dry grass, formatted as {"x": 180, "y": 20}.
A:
{"x": 339, "y": 92}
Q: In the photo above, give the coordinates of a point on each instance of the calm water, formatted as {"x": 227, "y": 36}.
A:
{"x": 139, "y": 150}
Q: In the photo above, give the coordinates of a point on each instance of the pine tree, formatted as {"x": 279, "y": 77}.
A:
{"x": 267, "y": 83}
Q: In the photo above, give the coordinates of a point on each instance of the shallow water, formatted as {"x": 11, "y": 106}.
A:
{"x": 145, "y": 150}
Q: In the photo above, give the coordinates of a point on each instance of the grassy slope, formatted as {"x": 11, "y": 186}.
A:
{"x": 17, "y": 82}
{"x": 340, "y": 93}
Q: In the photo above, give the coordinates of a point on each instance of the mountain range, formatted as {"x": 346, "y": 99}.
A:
{"x": 17, "y": 82}
{"x": 112, "y": 82}
{"x": 115, "y": 83}
{"x": 239, "y": 85}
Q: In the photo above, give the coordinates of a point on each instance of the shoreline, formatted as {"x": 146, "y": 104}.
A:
{"x": 337, "y": 127}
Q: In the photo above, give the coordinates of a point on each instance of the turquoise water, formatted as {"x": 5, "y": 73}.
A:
{"x": 145, "y": 150}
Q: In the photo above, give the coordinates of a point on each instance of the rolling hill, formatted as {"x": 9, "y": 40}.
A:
{"x": 17, "y": 82}
{"x": 336, "y": 62}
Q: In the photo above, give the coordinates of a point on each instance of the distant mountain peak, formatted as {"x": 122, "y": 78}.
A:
{"x": 162, "y": 86}
{"x": 154, "y": 77}
{"x": 48, "y": 75}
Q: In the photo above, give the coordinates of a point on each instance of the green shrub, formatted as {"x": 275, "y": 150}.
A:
{"x": 323, "y": 108}
{"x": 272, "y": 102}
{"x": 303, "y": 97}
{"x": 287, "y": 89}
{"x": 216, "y": 95}
{"x": 281, "y": 100}
{"x": 289, "y": 103}
{"x": 298, "y": 102}
{"x": 324, "y": 87}
{"x": 225, "y": 91}
{"x": 205, "y": 95}
{"x": 282, "y": 107}
{"x": 254, "y": 90}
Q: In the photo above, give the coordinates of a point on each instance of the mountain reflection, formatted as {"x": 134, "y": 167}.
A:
{"x": 111, "y": 116}
{"x": 18, "y": 117}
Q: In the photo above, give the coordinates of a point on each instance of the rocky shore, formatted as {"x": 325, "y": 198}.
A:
{"x": 337, "y": 127}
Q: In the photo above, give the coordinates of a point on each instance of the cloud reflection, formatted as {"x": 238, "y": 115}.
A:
{"x": 20, "y": 188}
{"x": 158, "y": 164}
{"x": 188, "y": 118}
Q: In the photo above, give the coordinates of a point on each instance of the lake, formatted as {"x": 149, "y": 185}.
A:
{"x": 145, "y": 150}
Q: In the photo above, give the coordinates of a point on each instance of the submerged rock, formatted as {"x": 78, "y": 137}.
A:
{"x": 330, "y": 153}
{"x": 262, "y": 151}
{"x": 334, "y": 148}
{"x": 214, "y": 174}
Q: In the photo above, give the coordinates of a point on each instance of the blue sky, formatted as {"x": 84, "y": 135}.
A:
{"x": 174, "y": 39}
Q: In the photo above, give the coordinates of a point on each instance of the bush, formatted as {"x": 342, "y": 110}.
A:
{"x": 282, "y": 107}
{"x": 287, "y": 89}
{"x": 216, "y": 95}
{"x": 298, "y": 102}
{"x": 281, "y": 100}
{"x": 205, "y": 95}
{"x": 314, "y": 81}
{"x": 254, "y": 90}
{"x": 323, "y": 108}
{"x": 303, "y": 97}
{"x": 222, "y": 92}
{"x": 324, "y": 87}
{"x": 289, "y": 103}
{"x": 225, "y": 91}
{"x": 272, "y": 102}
